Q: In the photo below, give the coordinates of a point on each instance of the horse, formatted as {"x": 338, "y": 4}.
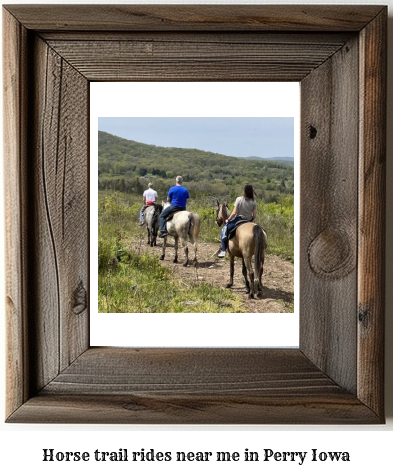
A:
{"x": 151, "y": 214}
{"x": 181, "y": 225}
{"x": 249, "y": 239}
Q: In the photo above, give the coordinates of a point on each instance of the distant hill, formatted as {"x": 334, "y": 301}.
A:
{"x": 121, "y": 160}
{"x": 285, "y": 160}
{"x": 289, "y": 159}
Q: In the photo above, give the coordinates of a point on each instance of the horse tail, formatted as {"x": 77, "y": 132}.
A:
{"x": 194, "y": 225}
{"x": 156, "y": 213}
{"x": 260, "y": 246}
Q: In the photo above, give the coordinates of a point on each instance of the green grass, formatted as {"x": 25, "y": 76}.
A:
{"x": 278, "y": 221}
{"x": 139, "y": 283}
{"x": 118, "y": 214}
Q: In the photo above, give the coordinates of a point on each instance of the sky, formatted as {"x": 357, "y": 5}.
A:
{"x": 265, "y": 137}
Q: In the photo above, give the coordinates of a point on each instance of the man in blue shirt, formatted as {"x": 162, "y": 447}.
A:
{"x": 177, "y": 196}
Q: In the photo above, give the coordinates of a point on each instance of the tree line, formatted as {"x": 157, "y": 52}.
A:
{"x": 128, "y": 166}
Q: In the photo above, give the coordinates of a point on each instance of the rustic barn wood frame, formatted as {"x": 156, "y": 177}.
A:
{"x": 338, "y": 54}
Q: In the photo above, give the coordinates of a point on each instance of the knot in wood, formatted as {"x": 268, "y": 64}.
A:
{"x": 313, "y": 132}
{"x": 330, "y": 254}
{"x": 363, "y": 316}
{"x": 80, "y": 299}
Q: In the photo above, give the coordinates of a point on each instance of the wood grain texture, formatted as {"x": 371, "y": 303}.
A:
{"x": 195, "y": 17}
{"x": 372, "y": 197}
{"x": 52, "y": 374}
{"x": 190, "y": 59}
{"x": 328, "y": 252}
{"x": 188, "y": 371}
{"x": 60, "y": 185}
{"x": 239, "y": 409}
{"x": 201, "y": 37}
{"x": 193, "y": 386}
{"x": 14, "y": 148}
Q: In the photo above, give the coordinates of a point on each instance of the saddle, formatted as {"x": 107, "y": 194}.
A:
{"x": 170, "y": 216}
{"x": 232, "y": 233}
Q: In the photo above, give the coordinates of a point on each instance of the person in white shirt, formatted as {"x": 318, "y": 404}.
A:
{"x": 150, "y": 196}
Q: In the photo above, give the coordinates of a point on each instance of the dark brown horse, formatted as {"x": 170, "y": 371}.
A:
{"x": 249, "y": 240}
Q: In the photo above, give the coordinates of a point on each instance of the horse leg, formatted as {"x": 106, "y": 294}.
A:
{"x": 259, "y": 292}
{"x": 195, "y": 253}
{"x": 176, "y": 247}
{"x": 148, "y": 236}
{"x": 259, "y": 271}
{"x": 163, "y": 249}
{"x": 193, "y": 234}
{"x": 185, "y": 248}
{"x": 231, "y": 270}
{"x": 248, "y": 264}
{"x": 244, "y": 271}
{"x": 195, "y": 246}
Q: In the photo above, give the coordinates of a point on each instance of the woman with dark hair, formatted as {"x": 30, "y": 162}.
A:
{"x": 245, "y": 209}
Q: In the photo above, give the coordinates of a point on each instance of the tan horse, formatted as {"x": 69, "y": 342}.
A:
{"x": 181, "y": 225}
{"x": 249, "y": 240}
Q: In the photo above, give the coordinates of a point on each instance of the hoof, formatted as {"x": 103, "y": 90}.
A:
{"x": 251, "y": 296}
{"x": 175, "y": 260}
{"x": 162, "y": 257}
{"x": 185, "y": 264}
{"x": 229, "y": 285}
{"x": 195, "y": 263}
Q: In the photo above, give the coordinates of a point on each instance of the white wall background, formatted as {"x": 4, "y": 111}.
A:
{"x": 369, "y": 446}
{"x": 184, "y": 99}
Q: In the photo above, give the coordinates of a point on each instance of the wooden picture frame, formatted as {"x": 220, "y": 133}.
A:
{"x": 338, "y": 54}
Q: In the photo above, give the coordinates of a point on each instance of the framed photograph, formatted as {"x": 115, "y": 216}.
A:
{"x": 337, "y": 54}
{"x": 218, "y": 146}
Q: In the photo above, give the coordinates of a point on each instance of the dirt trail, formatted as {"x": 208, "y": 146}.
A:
{"x": 278, "y": 277}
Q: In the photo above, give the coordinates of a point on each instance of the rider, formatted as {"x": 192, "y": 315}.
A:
{"x": 245, "y": 209}
{"x": 177, "y": 197}
{"x": 150, "y": 196}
